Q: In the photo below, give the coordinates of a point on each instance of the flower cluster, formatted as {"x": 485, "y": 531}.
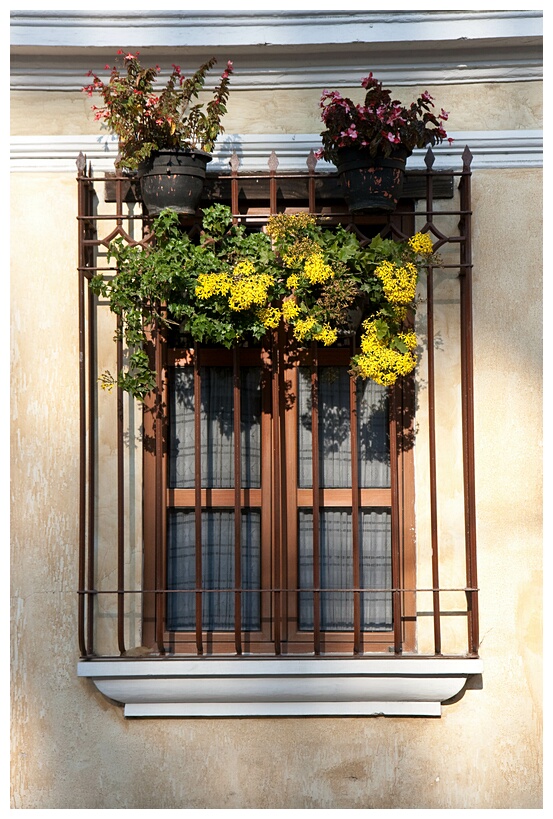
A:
{"x": 387, "y": 350}
{"x": 380, "y": 124}
{"x": 304, "y": 248}
{"x": 380, "y": 361}
{"x": 146, "y": 119}
{"x": 230, "y": 286}
{"x": 244, "y": 287}
{"x": 244, "y": 290}
{"x": 399, "y": 281}
{"x": 421, "y": 243}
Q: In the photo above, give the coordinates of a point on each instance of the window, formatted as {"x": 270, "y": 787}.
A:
{"x": 319, "y": 546}
{"x": 276, "y": 573}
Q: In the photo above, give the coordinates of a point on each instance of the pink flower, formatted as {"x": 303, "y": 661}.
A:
{"x": 444, "y": 114}
{"x": 426, "y": 96}
{"x": 229, "y": 65}
{"x": 131, "y": 56}
{"x": 395, "y": 140}
{"x": 367, "y": 81}
{"x": 351, "y": 132}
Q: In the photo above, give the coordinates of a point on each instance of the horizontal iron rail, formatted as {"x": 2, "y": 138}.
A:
{"x": 281, "y": 589}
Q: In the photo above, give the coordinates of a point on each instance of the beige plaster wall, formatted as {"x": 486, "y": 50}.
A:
{"x": 478, "y": 107}
{"x": 73, "y": 749}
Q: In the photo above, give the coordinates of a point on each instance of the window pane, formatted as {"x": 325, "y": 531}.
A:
{"x": 372, "y": 434}
{"x": 217, "y": 427}
{"x": 336, "y": 560}
{"x": 217, "y": 569}
{"x": 334, "y": 430}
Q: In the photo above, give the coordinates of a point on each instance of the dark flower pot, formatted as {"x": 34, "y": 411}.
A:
{"x": 173, "y": 180}
{"x": 371, "y": 183}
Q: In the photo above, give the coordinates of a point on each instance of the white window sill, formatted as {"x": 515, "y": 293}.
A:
{"x": 261, "y": 687}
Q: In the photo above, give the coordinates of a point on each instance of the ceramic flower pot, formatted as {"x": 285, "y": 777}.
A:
{"x": 371, "y": 183}
{"x": 173, "y": 180}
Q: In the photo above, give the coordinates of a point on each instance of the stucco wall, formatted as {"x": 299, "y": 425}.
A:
{"x": 479, "y": 107}
{"x": 74, "y": 749}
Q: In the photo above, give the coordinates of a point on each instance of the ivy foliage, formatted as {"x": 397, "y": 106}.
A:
{"x": 229, "y": 286}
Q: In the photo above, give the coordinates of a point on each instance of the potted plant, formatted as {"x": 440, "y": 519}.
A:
{"x": 164, "y": 136}
{"x": 370, "y": 142}
{"x": 231, "y": 287}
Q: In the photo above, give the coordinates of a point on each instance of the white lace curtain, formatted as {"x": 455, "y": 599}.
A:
{"x": 217, "y": 451}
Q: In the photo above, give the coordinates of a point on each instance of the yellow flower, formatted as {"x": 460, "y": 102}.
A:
{"x": 409, "y": 339}
{"x": 292, "y": 281}
{"x": 381, "y": 363}
{"x": 316, "y": 270}
{"x": 299, "y": 251}
{"x": 270, "y": 316}
{"x": 303, "y": 327}
{"x": 248, "y": 288}
{"x": 400, "y": 283}
{"x": 283, "y": 223}
{"x": 212, "y": 284}
{"x": 249, "y": 291}
{"x": 327, "y": 335}
{"x": 244, "y": 268}
{"x": 421, "y": 243}
{"x": 290, "y": 310}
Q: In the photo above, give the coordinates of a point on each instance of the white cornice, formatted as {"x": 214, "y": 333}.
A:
{"x": 490, "y": 149}
{"x": 124, "y": 29}
{"x": 302, "y": 69}
{"x": 210, "y": 687}
{"x": 54, "y": 50}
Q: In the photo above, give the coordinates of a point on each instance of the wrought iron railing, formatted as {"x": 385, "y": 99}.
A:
{"x": 121, "y": 606}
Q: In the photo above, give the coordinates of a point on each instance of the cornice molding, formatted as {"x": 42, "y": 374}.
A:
{"x": 490, "y": 149}
{"x": 54, "y": 50}
{"x": 96, "y": 29}
{"x": 300, "y": 70}
{"x": 212, "y": 687}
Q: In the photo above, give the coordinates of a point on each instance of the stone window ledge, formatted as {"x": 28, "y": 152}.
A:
{"x": 280, "y": 687}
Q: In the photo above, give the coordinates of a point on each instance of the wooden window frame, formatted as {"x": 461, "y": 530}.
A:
{"x": 279, "y": 499}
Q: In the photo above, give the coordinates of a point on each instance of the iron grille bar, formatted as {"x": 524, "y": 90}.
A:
{"x": 91, "y": 469}
{"x": 120, "y": 502}
{"x": 281, "y": 590}
{"x": 277, "y": 516}
{"x": 432, "y": 432}
{"x": 237, "y": 502}
{"x": 353, "y": 420}
{"x": 316, "y": 510}
{"x": 82, "y": 193}
{"x": 467, "y": 379}
{"x": 198, "y": 495}
{"x": 396, "y": 546}
{"x": 159, "y": 499}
